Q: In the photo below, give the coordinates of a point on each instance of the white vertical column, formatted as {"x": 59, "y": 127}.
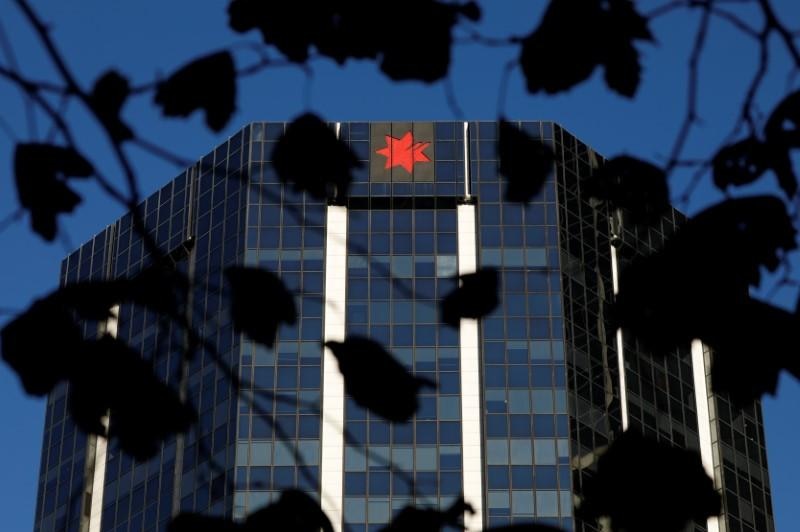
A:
{"x": 467, "y": 184}
{"x": 101, "y": 447}
{"x": 470, "y": 378}
{"x": 703, "y": 418}
{"x": 623, "y": 389}
{"x": 332, "y": 460}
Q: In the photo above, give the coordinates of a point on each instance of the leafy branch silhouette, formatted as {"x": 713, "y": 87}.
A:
{"x": 715, "y": 259}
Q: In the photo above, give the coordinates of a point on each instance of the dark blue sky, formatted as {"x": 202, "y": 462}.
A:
{"x": 145, "y": 39}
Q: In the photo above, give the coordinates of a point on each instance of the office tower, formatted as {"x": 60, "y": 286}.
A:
{"x": 525, "y": 397}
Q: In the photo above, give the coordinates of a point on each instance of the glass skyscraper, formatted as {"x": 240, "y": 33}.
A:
{"x": 526, "y": 397}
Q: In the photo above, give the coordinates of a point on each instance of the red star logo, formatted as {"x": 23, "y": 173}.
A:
{"x": 404, "y": 152}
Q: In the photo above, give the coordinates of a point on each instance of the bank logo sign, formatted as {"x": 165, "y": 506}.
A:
{"x": 401, "y": 152}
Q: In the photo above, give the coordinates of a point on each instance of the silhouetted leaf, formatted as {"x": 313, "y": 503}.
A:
{"x": 106, "y": 99}
{"x": 740, "y": 163}
{"x": 524, "y": 161}
{"x": 348, "y": 29}
{"x": 524, "y": 527}
{"x": 573, "y": 38}
{"x": 189, "y": 522}
{"x": 110, "y": 377}
{"x": 740, "y": 235}
{"x": 413, "y": 519}
{"x": 631, "y": 184}
{"x": 425, "y": 53}
{"x": 620, "y": 58}
{"x": 376, "y": 380}
{"x": 745, "y": 161}
{"x": 294, "y": 510}
{"x": 260, "y": 302}
{"x": 208, "y": 83}
{"x": 309, "y": 156}
{"x": 782, "y": 132}
{"x": 784, "y": 171}
{"x": 292, "y": 27}
{"x": 476, "y": 297}
{"x": 41, "y": 345}
{"x": 783, "y": 124}
{"x": 41, "y": 172}
{"x": 555, "y": 57}
{"x": 710, "y": 262}
{"x": 750, "y": 350}
{"x": 647, "y": 486}
{"x": 159, "y": 289}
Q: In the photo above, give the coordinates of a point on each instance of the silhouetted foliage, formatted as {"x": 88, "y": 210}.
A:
{"x": 525, "y": 162}
{"x": 292, "y": 27}
{"x": 697, "y": 286}
{"x": 752, "y": 328}
{"x": 345, "y": 29}
{"x": 574, "y": 38}
{"x": 186, "y": 522}
{"x": 375, "y": 380}
{"x": 781, "y": 133}
{"x": 413, "y": 519}
{"x": 477, "y": 296}
{"x": 294, "y": 511}
{"x": 745, "y": 161}
{"x": 310, "y": 157}
{"x": 631, "y": 184}
{"x": 41, "y": 345}
{"x": 41, "y": 172}
{"x": 108, "y": 96}
{"x": 647, "y": 486}
{"x": 740, "y": 163}
{"x": 110, "y": 378}
{"x": 208, "y": 83}
{"x": 160, "y": 289}
{"x": 524, "y": 527}
{"x": 104, "y": 375}
{"x": 260, "y": 302}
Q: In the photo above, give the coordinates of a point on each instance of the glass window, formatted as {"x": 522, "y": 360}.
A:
{"x": 379, "y": 511}
{"x": 355, "y": 509}
{"x": 498, "y": 477}
{"x": 309, "y": 452}
{"x": 450, "y": 432}
{"x": 544, "y": 452}
{"x": 403, "y": 266}
{"x": 518, "y": 400}
{"x": 449, "y": 457}
{"x": 450, "y": 483}
{"x": 260, "y": 453}
{"x": 446, "y": 265}
{"x": 379, "y": 483}
{"x": 403, "y": 458}
{"x": 521, "y": 453}
{"x": 425, "y": 458}
{"x": 496, "y": 452}
{"x": 543, "y": 401}
{"x": 426, "y": 432}
{"x": 546, "y": 503}
{"x": 355, "y": 483}
{"x": 449, "y": 408}
{"x": 446, "y": 243}
{"x": 522, "y": 502}
{"x": 498, "y": 499}
{"x": 354, "y": 460}
{"x": 522, "y": 477}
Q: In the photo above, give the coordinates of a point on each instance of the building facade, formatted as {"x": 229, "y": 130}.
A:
{"x": 526, "y": 397}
